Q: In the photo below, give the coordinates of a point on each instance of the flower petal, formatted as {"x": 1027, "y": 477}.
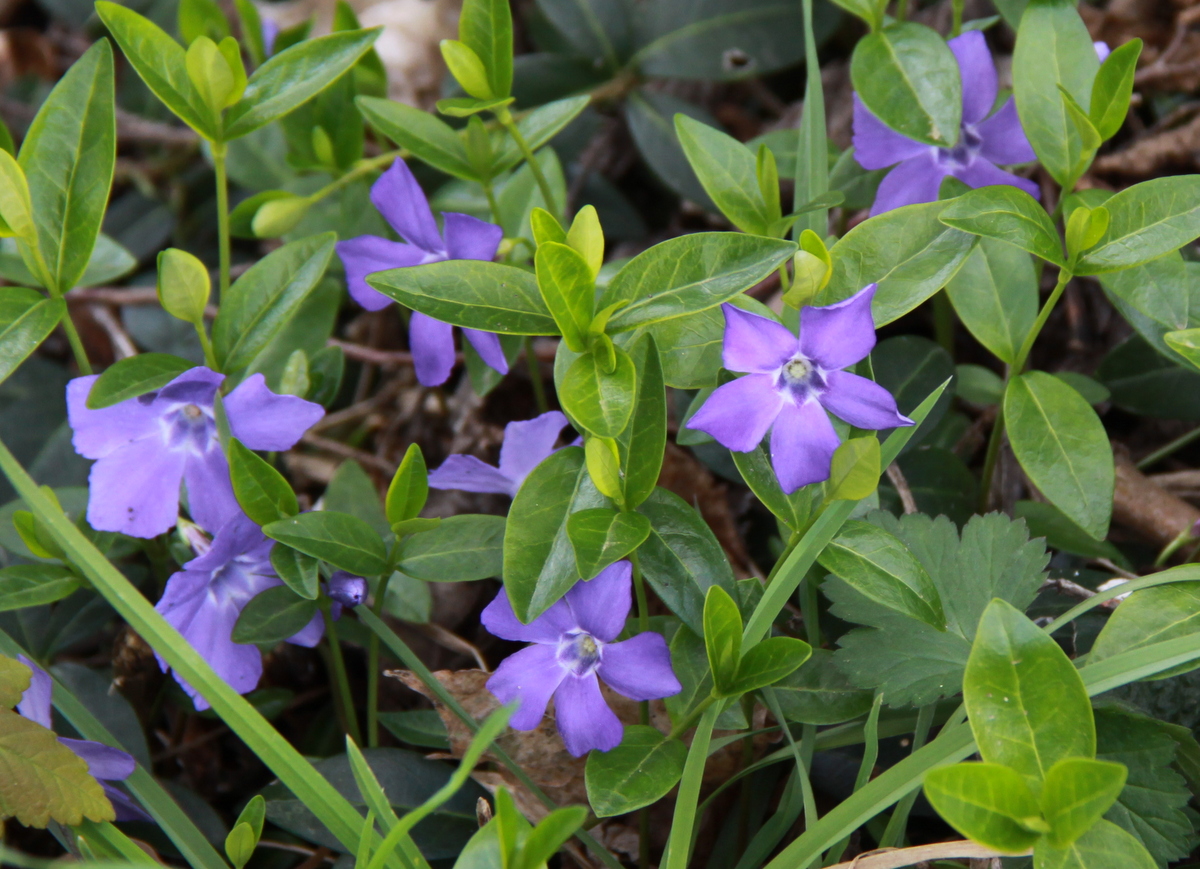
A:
{"x": 124, "y": 806}
{"x": 840, "y": 334}
{"x": 368, "y": 254}
{"x": 104, "y": 761}
{"x": 528, "y": 442}
{"x": 309, "y": 635}
{"x": 135, "y": 490}
{"x": 982, "y": 173}
{"x": 210, "y": 493}
{"x": 196, "y": 385}
{"x": 96, "y": 433}
{"x": 753, "y": 343}
{"x": 584, "y": 719}
{"x": 469, "y": 237}
{"x": 500, "y": 620}
{"x": 978, "y": 74}
{"x": 739, "y": 413}
{"x": 861, "y": 402}
{"x": 432, "y": 345}
{"x": 1003, "y": 138}
{"x": 531, "y": 676}
{"x": 487, "y": 345}
{"x": 469, "y": 474}
{"x": 802, "y": 445}
{"x": 264, "y": 420}
{"x": 35, "y": 702}
{"x": 601, "y": 605}
{"x": 402, "y": 203}
{"x": 915, "y": 180}
{"x": 640, "y": 668}
{"x": 876, "y": 145}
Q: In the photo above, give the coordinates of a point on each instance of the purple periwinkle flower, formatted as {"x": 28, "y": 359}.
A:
{"x": 792, "y": 382}
{"x": 983, "y": 141}
{"x": 145, "y": 446}
{"x": 403, "y": 204}
{"x": 105, "y": 763}
{"x": 526, "y": 444}
{"x": 346, "y": 589}
{"x": 203, "y": 602}
{"x": 573, "y": 650}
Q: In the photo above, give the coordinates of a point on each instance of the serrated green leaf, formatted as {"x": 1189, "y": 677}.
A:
{"x": 14, "y": 681}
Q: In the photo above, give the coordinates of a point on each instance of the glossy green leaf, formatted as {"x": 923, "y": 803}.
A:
{"x": 464, "y": 547}
{"x": 689, "y": 274}
{"x": 265, "y": 298}
{"x": 854, "y": 471}
{"x": 352, "y": 490}
{"x": 135, "y": 375}
{"x": 995, "y": 294}
{"x": 261, "y": 491}
{"x": 1076, "y": 794}
{"x": 298, "y": 571}
{"x": 908, "y": 77}
{"x": 988, "y": 803}
{"x": 1105, "y": 845}
{"x": 1053, "y": 49}
{"x": 879, "y": 566}
{"x": 643, "y": 440}
{"x": 68, "y": 156}
{"x": 1062, "y": 446}
{"x": 690, "y": 347}
{"x": 600, "y": 536}
{"x": 409, "y": 489}
{"x": 722, "y": 640}
{"x": 727, "y": 170}
{"x": 767, "y": 662}
{"x": 486, "y": 27}
{"x": 1112, "y": 89}
{"x": 1158, "y": 290}
{"x": 26, "y": 320}
{"x": 343, "y": 540}
{"x": 27, "y": 585}
{"x": 908, "y": 252}
{"x": 478, "y": 295}
{"x": 428, "y": 138}
{"x": 819, "y": 692}
{"x": 1146, "y": 221}
{"x": 638, "y": 772}
{"x": 755, "y": 468}
{"x": 601, "y": 401}
{"x": 1008, "y": 214}
{"x": 1151, "y": 616}
{"x": 1026, "y": 701}
{"x": 568, "y": 289}
{"x": 272, "y": 616}
{"x": 183, "y": 285}
{"x": 1046, "y": 520}
{"x": 549, "y": 836}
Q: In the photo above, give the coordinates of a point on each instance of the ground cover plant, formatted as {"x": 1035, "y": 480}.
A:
{"x": 691, "y": 434}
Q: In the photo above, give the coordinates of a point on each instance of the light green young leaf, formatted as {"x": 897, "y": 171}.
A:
{"x": 599, "y": 400}
{"x": 1146, "y": 221}
{"x": 486, "y": 27}
{"x": 1104, "y": 845}
{"x": 988, "y": 803}
{"x": 567, "y": 287}
{"x": 1151, "y": 616}
{"x": 1076, "y": 794}
{"x": 727, "y": 170}
{"x": 261, "y": 491}
{"x": 409, "y": 489}
{"x": 722, "y": 640}
{"x": 1112, "y": 89}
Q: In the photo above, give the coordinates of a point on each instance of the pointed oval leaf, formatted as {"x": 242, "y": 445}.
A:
{"x": 273, "y": 615}
{"x": 428, "y": 138}
{"x": 728, "y": 171}
{"x": 638, "y": 772}
{"x": 261, "y": 491}
{"x": 343, "y": 540}
{"x": 134, "y": 376}
{"x": 1149, "y": 616}
{"x": 769, "y": 661}
{"x": 460, "y": 548}
{"x": 600, "y": 401}
{"x": 600, "y": 537}
{"x": 1008, "y": 214}
{"x": 25, "y": 333}
{"x": 995, "y": 294}
{"x": 1077, "y": 793}
{"x": 722, "y": 640}
{"x": 987, "y": 803}
{"x": 26, "y": 585}
{"x": 1145, "y": 222}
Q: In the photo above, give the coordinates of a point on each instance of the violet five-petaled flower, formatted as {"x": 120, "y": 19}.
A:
{"x": 985, "y": 139}
{"x": 573, "y": 650}
{"x": 526, "y": 444}
{"x": 403, "y": 204}
{"x": 792, "y": 382}
{"x": 105, "y": 763}
{"x": 203, "y": 602}
{"x": 145, "y": 446}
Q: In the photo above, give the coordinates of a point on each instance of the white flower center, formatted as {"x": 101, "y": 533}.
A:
{"x": 580, "y": 652}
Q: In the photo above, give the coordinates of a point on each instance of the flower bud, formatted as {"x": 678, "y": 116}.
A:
{"x": 347, "y": 589}
{"x": 278, "y": 216}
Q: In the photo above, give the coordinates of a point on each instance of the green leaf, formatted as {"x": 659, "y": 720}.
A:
{"x": 854, "y": 472}
{"x": 460, "y": 548}
{"x": 201, "y": 18}
{"x": 1104, "y": 845}
{"x": 755, "y": 468}
{"x": 878, "y": 565}
{"x": 428, "y": 138}
{"x": 550, "y": 834}
{"x": 1158, "y": 290}
{"x": 109, "y": 261}
{"x": 819, "y": 693}
{"x": 183, "y": 285}
{"x": 23, "y": 331}
{"x": 14, "y": 681}
{"x": 298, "y": 571}
{"x": 988, "y": 803}
{"x": 420, "y": 727}
{"x": 159, "y": 62}
{"x": 272, "y": 616}
{"x": 995, "y": 294}
{"x": 1053, "y": 49}
{"x": 1151, "y": 616}
{"x": 1062, "y": 446}
{"x": 26, "y": 585}
{"x": 638, "y": 772}
{"x": 44, "y": 780}
{"x": 262, "y": 492}
{"x": 649, "y": 115}
{"x": 294, "y": 76}
{"x": 908, "y": 252}
{"x": 1008, "y": 214}
{"x": 689, "y": 274}
{"x": 264, "y": 299}
{"x": 908, "y": 77}
{"x": 1026, "y": 701}
{"x": 409, "y": 489}
{"x": 1076, "y": 794}
{"x": 601, "y": 536}
{"x": 598, "y": 400}
{"x": 239, "y": 845}
{"x": 1046, "y": 520}
{"x": 728, "y": 172}
{"x": 133, "y": 376}
{"x": 353, "y": 491}
{"x": 343, "y": 540}
{"x": 567, "y": 288}
{"x": 464, "y": 107}
{"x": 722, "y": 640}
{"x": 1146, "y": 221}
{"x": 486, "y": 27}
{"x": 478, "y": 295}
{"x": 908, "y": 660}
{"x": 1112, "y": 89}
{"x": 537, "y": 128}
{"x": 643, "y": 440}
{"x": 68, "y": 156}
{"x": 681, "y": 559}
{"x": 767, "y": 662}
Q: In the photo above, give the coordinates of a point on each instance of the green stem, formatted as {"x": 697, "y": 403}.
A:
{"x": 902, "y": 10}
{"x": 535, "y": 377}
{"x": 339, "y": 674}
{"x": 360, "y": 168}
{"x": 373, "y": 666}
{"x": 1183, "y": 538}
{"x": 943, "y": 321}
{"x": 493, "y": 208}
{"x": 210, "y": 358}
{"x": 81, "y": 359}
{"x": 992, "y": 454}
{"x": 1162, "y": 452}
{"x": 504, "y": 116}
{"x": 218, "y": 153}
{"x": 894, "y": 834}
{"x": 956, "y": 7}
{"x": 679, "y": 845}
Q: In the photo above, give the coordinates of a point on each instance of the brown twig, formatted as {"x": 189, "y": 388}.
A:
{"x": 897, "y": 478}
{"x": 122, "y": 344}
{"x": 340, "y": 449}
